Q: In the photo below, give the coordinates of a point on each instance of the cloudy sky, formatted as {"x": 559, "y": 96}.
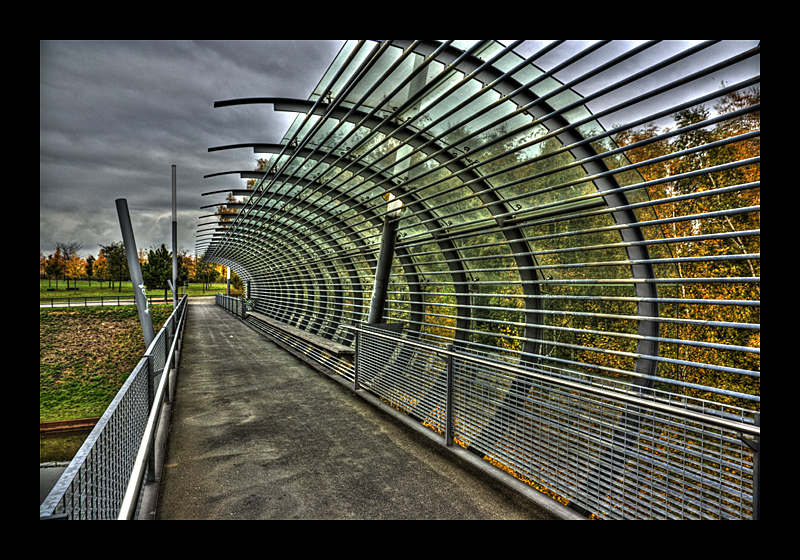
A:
{"x": 115, "y": 116}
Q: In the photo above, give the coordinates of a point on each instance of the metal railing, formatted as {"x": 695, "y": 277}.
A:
{"x": 105, "y": 479}
{"x": 101, "y": 301}
{"x": 611, "y": 450}
{"x": 236, "y": 305}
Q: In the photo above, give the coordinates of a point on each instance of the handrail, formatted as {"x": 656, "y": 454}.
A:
{"x": 131, "y": 497}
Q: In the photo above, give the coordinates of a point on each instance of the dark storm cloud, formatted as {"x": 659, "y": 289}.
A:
{"x": 115, "y": 116}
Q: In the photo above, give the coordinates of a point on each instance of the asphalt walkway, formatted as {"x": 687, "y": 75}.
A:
{"x": 255, "y": 433}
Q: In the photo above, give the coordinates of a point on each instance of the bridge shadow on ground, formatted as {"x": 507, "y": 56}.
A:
{"x": 256, "y": 433}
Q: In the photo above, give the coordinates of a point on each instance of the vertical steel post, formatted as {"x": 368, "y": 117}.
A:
{"x": 151, "y": 397}
{"x": 139, "y": 292}
{"x": 448, "y": 427}
{"x": 356, "y": 386}
{"x": 755, "y": 445}
{"x": 174, "y": 239}
{"x": 757, "y": 473}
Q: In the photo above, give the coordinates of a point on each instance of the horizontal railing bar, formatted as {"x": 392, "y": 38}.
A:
{"x": 633, "y": 336}
{"x": 555, "y": 343}
{"x": 590, "y": 178}
{"x": 576, "y": 364}
{"x": 611, "y": 316}
{"x": 631, "y": 299}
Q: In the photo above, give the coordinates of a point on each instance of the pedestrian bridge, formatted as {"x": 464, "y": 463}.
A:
{"x": 260, "y": 434}
{"x": 543, "y": 257}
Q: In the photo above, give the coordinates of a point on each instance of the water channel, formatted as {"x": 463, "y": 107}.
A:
{"x": 56, "y": 450}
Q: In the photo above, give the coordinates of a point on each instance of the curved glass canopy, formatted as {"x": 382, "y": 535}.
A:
{"x": 587, "y": 209}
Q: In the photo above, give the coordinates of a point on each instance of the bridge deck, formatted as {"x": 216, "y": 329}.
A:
{"x": 257, "y": 434}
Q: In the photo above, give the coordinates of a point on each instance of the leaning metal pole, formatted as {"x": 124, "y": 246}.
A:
{"x": 139, "y": 293}
{"x": 384, "y": 267}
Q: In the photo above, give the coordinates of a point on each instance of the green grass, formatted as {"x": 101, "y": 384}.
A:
{"x": 47, "y": 290}
{"x": 85, "y": 355}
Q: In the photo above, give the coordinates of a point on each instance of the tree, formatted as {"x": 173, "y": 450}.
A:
{"x": 714, "y": 221}
{"x": 55, "y": 265}
{"x": 158, "y": 269}
{"x": 100, "y": 268}
{"x": 237, "y": 285}
{"x": 186, "y": 268}
{"x": 206, "y": 273}
{"x": 89, "y": 269}
{"x": 75, "y": 267}
{"x": 69, "y": 251}
{"x": 117, "y": 262}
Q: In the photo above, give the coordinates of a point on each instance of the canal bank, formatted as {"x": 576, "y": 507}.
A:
{"x": 58, "y": 444}
{"x": 67, "y": 425}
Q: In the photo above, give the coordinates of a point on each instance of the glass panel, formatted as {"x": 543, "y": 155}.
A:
{"x": 495, "y": 288}
{"x": 438, "y": 291}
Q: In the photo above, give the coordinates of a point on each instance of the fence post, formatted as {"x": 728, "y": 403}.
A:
{"x": 755, "y": 445}
{"x": 448, "y": 428}
{"x": 356, "y": 386}
{"x": 151, "y": 397}
{"x": 757, "y": 472}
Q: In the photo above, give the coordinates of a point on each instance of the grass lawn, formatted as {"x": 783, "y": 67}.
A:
{"x": 47, "y": 290}
{"x": 85, "y": 355}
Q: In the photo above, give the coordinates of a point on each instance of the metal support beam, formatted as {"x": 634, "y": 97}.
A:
{"x": 139, "y": 292}
{"x": 383, "y": 271}
{"x": 174, "y": 239}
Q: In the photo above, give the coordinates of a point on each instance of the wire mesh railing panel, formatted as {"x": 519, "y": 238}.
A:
{"x": 615, "y": 451}
{"x": 94, "y": 483}
{"x": 410, "y": 378}
{"x": 158, "y": 351}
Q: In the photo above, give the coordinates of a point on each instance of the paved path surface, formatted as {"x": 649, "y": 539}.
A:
{"x": 257, "y": 434}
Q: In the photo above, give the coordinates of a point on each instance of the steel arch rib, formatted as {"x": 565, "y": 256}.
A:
{"x": 638, "y": 252}
{"x": 409, "y": 273}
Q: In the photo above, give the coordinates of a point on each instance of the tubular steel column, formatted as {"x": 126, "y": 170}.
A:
{"x": 139, "y": 293}
{"x": 384, "y": 267}
{"x": 174, "y": 240}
